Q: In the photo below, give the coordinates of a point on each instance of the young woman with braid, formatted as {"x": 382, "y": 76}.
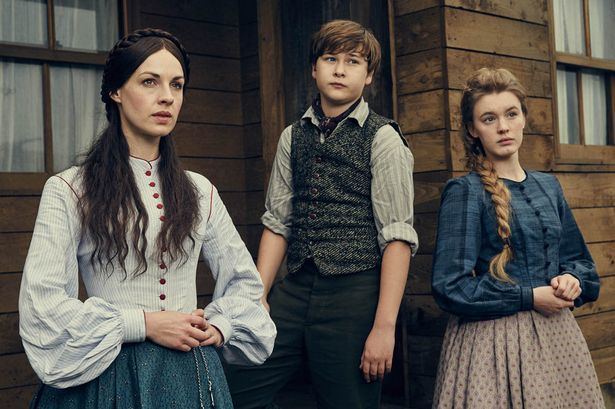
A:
{"x": 509, "y": 264}
{"x": 133, "y": 224}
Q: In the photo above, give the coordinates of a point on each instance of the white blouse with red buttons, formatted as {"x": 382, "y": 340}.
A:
{"x": 69, "y": 342}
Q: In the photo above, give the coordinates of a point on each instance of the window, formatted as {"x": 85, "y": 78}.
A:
{"x": 51, "y": 57}
{"x": 584, "y": 61}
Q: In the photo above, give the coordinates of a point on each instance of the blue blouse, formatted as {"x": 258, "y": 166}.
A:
{"x": 545, "y": 240}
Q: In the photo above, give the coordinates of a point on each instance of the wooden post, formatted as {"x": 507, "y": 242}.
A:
{"x": 272, "y": 80}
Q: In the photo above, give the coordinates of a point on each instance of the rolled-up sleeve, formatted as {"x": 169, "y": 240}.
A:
{"x": 236, "y": 310}
{"x": 278, "y": 203}
{"x": 392, "y": 189}
{"x": 68, "y": 342}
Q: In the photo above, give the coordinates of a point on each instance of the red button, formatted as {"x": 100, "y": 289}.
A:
{"x": 317, "y": 176}
{"x": 163, "y": 281}
{"x": 159, "y": 205}
{"x": 312, "y": 216}
{"x": 162, "y": 218}
{"x": 152, "y": 184}
{"x": 314, "y": 191}
{"x": 318, "y": 159}
{"x": 156, "y": 195}
{"x": 148, "y": 173}
{"x": 162, "y": 296}
{"x": 163, "y": 266}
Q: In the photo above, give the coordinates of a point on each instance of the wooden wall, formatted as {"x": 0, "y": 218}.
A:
{"x": 438, "y": 44}
{"x": 218, "y": 135}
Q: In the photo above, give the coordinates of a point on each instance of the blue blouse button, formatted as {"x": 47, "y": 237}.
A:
{"x": 537, "y": 213}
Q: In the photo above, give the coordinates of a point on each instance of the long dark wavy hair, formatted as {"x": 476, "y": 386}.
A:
{"x": 110, "y": 206}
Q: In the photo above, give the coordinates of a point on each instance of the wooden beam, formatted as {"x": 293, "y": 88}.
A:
{"x": 272, "y": 79}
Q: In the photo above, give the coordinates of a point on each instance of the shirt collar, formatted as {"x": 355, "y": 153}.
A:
{"x": 140, "y": 165}
{"x": 360, "y": 114}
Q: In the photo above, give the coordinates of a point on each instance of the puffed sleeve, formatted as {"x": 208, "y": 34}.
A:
{"x": 455, "y": 287}
{"x": 574, "y": 257}
{"x": 68, "y": 342}
{"x": 236, "y": 310}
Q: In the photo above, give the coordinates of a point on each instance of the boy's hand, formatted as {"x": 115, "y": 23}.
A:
{"x": 377, "y": 358}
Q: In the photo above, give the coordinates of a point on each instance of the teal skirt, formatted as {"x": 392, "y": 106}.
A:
{"x": 146, "y": 375}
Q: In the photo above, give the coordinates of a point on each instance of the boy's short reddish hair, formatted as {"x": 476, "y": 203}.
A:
{"x": 344, "y": 36}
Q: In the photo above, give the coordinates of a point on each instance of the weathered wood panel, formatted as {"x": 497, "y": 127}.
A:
{"x": 424, "y": 317}
{"x": 424, "y": 354}
{"x": 251, "y": 106}
{"x": 16, "y": 371}
{"x": 253, "y": 140}
{"x": 418, "y": 31}
{"x": 425, "y": 226}
{"x": 250, "y": 74}
{"x": 17, "y": 397}
{"x": 248, "y": 39}
{"x": 606, "y": 301}
{"x": 409, "y": 6}
{"x": 22, "y": 183}
{"x": 422, "y": 112}
{"x": 18, "y": 214}
{"x": 10, "y": 342}
{"x": 13, "y": 250}
{"x": 534, "y": 75}
{"x": 198, "y": 37}
{"x": 211, "y": 141}
{"x": 526, "y": 10}
{"x": 9, "y": 292}
{"x": 596, "y": 224}
{"x": 588, "y": 189}
{"x": 226, "y": 12}
{"x": 427, "y": 190}
{"x": 213, "y": 107}
{"x": 598, "y": 329}
{"x": 468, "y": 30}
{"x": 539, "y": 119}
{"x": 419, "y": 278}
{"x": 225, "y": 174}
{"x": 604, "y": 256}
{"x": 429, "y": 151}
{"x": 422, "y": 71}
{"x": 604, "y": 361}
{"x": 215, "y": 73}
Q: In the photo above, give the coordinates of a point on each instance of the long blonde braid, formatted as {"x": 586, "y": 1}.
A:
{"x": 484, "y": 82}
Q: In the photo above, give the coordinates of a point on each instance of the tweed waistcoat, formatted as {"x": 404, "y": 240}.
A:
{"x": 333, "y": 220}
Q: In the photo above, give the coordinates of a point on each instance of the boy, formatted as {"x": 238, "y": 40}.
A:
{"x": 339, "y": 205}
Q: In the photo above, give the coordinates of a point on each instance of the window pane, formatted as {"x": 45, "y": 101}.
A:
{"x": 21, "y": 116}
{"x": 77, "y": 113}
{"x": 594, "y": 107}
{"x": 567, "y": 106}
{"x": 602, "y": 29}
{"x": 569, "y": 26}
{"x": 23, "y": 21}
{"x": 86, "y": 24}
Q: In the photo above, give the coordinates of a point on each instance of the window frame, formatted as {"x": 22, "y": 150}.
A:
{"x": 46, "y": 55}
{"x": 581, "y": 154}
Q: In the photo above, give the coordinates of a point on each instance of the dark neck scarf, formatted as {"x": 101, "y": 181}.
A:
{"x": 328, "y": 124}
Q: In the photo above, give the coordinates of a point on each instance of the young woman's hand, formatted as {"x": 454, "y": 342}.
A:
{"x": 175, "y": 330}
{"x": 547, "y": 303}
{"x": 213, "y": 335}
{"x": 566, "y": 286}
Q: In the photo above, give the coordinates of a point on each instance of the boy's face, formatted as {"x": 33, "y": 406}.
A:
{"x": 341, "y": 77}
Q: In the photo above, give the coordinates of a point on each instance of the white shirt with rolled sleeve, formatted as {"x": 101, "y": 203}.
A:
{"x": 392, "y": 190}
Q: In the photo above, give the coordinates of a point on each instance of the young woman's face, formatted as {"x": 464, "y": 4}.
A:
{"x": 150, "y": 101}
{"x": 498, "y": 122}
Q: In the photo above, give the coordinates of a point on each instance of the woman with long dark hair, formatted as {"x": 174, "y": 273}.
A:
{"x": 133, "y": 223}
{"x": 509, "y": 263}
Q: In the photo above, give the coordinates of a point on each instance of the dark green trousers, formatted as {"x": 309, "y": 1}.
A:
{"x": 322, "y": 322}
